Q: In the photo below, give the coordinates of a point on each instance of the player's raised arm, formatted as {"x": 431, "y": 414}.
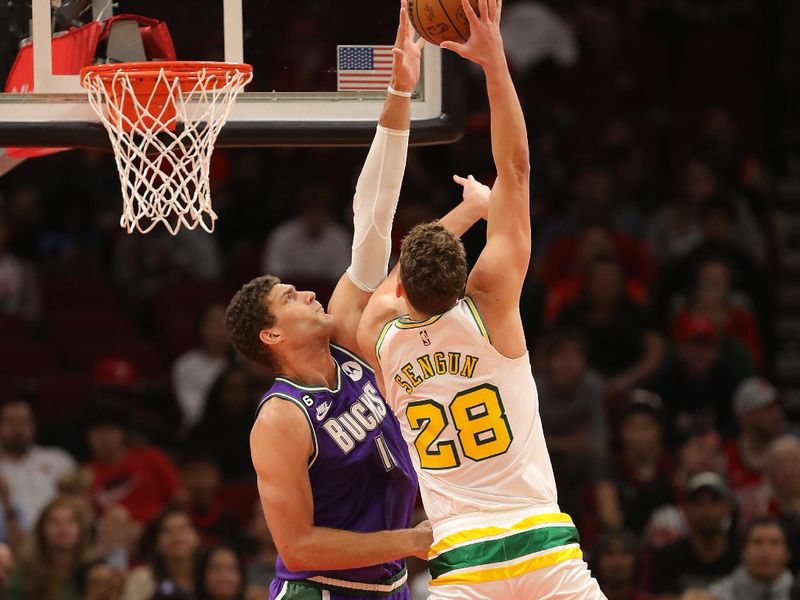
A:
{"x": 496, "y": 280}
{"x": 385, "y": 303}
{"x": 282, "y": 447}
{"x": 378, "y": 190}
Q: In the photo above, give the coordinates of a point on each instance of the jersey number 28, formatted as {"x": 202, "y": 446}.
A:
{"x": 478, "y": 416}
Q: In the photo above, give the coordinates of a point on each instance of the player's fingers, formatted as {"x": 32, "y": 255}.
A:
{"x": 398, "y": 54}
{"x": 420, "y": 43}
{"x": 460, "y": 180}
{"x": 484, "y": 8}
{"x": 454, "y": 47}
{"x": 402, "y": 28}
{"x": 492, "y": 9}
{"x": 471, "y": 178}
{"x": 498, "y": 10}
{"x": 469, "y": 12}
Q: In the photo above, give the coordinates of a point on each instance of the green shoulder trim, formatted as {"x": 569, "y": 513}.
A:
{"x": 476, "y": 315}
{"x": 406, "y": 323}
{"x": 299, "y": 404}
{"x": 382, "y": 336}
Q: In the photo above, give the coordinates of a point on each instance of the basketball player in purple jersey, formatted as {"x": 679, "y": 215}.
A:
{"x": 336, "y": 483}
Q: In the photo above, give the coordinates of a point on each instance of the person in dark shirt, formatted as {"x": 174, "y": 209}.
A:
{"x": 622, "y": 345}
{"x": 707, "y": 554}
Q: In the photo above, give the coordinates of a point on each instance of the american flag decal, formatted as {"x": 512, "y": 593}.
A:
{"x": 363, "y": 68}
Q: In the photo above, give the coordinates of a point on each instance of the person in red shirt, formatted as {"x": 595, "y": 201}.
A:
{"x": 761, "y": 421}
{"x": 142, "y": 479}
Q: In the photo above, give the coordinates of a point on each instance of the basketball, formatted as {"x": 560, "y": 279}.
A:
{"x": 440, "y": 20}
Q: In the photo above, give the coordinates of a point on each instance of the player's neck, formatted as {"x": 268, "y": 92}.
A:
{"x": 311, "y": 365}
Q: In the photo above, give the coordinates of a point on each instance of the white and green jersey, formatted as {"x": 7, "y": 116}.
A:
{"x": 471, "y": 419}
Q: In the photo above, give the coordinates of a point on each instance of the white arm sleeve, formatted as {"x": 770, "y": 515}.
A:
{"x": 374, "y": 204}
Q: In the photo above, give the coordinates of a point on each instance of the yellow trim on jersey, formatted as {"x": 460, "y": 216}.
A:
{"x": 473, "y": 309}
{"x": 470, "y": 535}
{"x": 406, "y": 323}
{"x": 381, "y": 337}
{"x": 508, "y": 571}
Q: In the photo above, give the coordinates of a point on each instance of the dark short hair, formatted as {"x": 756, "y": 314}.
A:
{"x": 248, "y": 313}
{"x": 433, "y": 268}
{"x": 202, "y": 566}
{"x": 763, "y": 522}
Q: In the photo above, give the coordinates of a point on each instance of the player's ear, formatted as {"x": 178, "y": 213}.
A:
{"x": 270, "y": 337}
{"x": 398, "y": 290}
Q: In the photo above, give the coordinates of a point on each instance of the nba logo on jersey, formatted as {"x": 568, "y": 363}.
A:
{"x": 353, "y": 370}
{"x": 426, "y": 340}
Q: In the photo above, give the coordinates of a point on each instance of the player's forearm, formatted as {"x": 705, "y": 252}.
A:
{"x": 461, "y": 218}
{"x": 509, "y": 135}
{"x": 323, "y": 549}
{"x": 396, "y": 112}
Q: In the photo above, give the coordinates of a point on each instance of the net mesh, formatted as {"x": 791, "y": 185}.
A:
{"x": 163, "y": 126}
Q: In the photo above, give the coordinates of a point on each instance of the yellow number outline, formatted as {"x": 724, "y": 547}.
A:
{"x": 444, "y": 456}
{"x": 430, "y": 419}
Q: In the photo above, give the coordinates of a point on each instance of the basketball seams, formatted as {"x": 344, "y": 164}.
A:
{"x": 449, "y": 18}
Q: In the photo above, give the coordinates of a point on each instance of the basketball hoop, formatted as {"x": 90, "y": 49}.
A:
{"x": 164, "y": 167}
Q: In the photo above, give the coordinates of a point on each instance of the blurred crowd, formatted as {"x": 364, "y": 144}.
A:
{"x": 649, "y": 310}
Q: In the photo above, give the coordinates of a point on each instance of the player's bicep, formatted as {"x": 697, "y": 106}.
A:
{"x": 281, "y": 444}
{"x": 346, "y": 307}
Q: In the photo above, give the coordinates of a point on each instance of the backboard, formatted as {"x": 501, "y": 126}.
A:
{"x": 299, "y": 50}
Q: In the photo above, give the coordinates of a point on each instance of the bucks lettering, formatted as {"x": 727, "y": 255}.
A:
{"x": 430, "y": 365}
{"x": 363, "y": 415}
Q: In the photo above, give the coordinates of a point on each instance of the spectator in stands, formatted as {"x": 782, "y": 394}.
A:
{"x": 227, "y": 420}
{"x": 783, "y": 476}
{"x": 706, "y": 554}
{"x": 6, "y": 568}
{"x": 312, "y": 245}
{"x": 20, "y": 295}
{"x": 220, "y": 575}
{"x": 172, "y": 545}
{"x": 622, "y": 344}
{"x": 57, "y": 547}
{"x": 761, "y": 420}
{"x": 616, "y": 565}
{"x": 712, "y": 295}
{"x": 261, "y": 570}
{"x": 644, "y": 470}
{"x": 195, "y": 371}
{"x": 697, "y": 381}
{"x": 700, "y": 453}
{"x": 763, "y": 572}
{"x": 97, "y": 580}
{"x": 572, "y": 409}
{"x": 533, "y": 32}
{"x": 30, "y": 470}
{"x": 678, "y": 228}
{"x": 202, "y": 482}
{"x": 142, "y": 479}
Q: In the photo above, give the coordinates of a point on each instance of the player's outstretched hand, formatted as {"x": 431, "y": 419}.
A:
{"x": 423, "y": 539}
{"x": 475, "y": 195}
{"x": 485, "y": 44}
{"x": 406, "y": 54}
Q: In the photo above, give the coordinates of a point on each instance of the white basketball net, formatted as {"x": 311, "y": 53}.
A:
{"x": 165, "y": 174}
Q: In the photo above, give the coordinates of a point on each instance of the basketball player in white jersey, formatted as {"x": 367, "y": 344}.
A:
{"x": 456, "y": 372}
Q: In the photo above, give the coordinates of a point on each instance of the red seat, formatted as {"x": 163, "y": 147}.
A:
{"x": 91, "y": 322}
{"x": 61, "y": 396}
{"x": 24, "y": 359}
{"x": 12, "y": 328}
{"x": 70, "y": 293}
{"x": 148, "y": 358}
{"x": 176, "y": 311}
{"x": 238, "y": 499}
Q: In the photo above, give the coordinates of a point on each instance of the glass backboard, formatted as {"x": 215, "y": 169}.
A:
{"x": 301, "y": 94}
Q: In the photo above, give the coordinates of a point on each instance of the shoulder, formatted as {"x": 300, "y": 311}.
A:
{"x": 344, "y": 356}
{"x": 282, "y": 425}
{"x": 53, "y": 454}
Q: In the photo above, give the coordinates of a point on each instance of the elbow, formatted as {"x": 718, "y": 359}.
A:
{"x": 518, "y": 169}
{"x": 294, "y": 558}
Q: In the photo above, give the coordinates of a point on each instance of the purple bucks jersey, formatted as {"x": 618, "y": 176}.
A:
{"x": 361, "y": 475}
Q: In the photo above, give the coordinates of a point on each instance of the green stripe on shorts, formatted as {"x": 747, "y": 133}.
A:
{"x": 507, "y": 548}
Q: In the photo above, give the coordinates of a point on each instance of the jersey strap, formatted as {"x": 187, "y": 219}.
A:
{"x": 299, "y": 404}
{"x": 476, "y": 315}
{"x": 384, "y": 330}
{"x": 493, "y": 553}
